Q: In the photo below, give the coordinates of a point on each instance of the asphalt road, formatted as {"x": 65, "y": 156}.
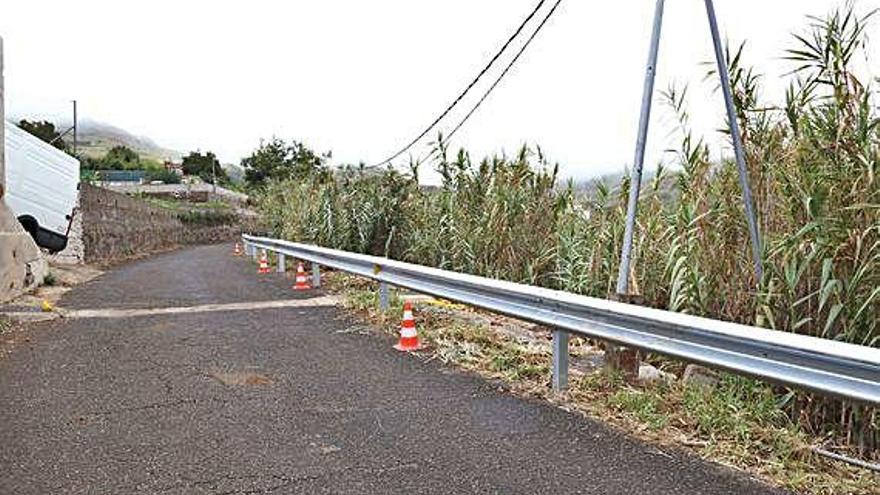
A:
{"x": 284, "y": 400}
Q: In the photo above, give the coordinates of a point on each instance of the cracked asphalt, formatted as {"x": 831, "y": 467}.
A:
{"x": 285, "y": 400}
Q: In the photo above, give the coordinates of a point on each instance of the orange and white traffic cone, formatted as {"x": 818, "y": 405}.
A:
{"x": 237, "y": 251}
{"x": 409, "y": 337}
{"x": 264, "y": 263}
{"x": 302, "y": 282}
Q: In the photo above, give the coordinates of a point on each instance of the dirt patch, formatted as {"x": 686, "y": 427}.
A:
{"x": 239, "y": 378}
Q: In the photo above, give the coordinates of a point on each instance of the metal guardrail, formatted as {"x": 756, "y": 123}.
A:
{"x": 829, "y": 367}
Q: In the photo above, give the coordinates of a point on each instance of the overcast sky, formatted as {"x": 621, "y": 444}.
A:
{"x": 361, "y": 78}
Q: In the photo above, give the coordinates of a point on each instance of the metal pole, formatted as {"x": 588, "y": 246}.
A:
{"x": 639, "y": 160}
{"x": 316, "y": 275}
{"x": 2, "y": 129}
{"x": 384, "y": 297}
{"x": 737, "y": 142}
{"x": 560, "y": 360}
{"x": 74, "y": 128}
{"x": 281, "y": 263}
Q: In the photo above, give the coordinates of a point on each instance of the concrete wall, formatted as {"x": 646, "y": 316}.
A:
{"x": 2, "y": 126}
{"x": 116, "y": 227}
{"x": 22, "y": 266}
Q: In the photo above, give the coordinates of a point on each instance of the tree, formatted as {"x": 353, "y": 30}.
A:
{"x": 44, "y": 130}
{"x": 166, "y": 176}
{"x": 121, "y": 158}
{"x": 276, "y": 160}
{"x": 205, "y": 166}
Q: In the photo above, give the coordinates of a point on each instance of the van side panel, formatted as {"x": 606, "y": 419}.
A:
{"x": 41, "y": 181}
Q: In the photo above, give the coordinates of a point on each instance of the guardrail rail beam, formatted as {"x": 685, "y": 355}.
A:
{"x": 830, "y": 367}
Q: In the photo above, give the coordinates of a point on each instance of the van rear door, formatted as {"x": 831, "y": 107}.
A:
{"x": 41, "y": 186}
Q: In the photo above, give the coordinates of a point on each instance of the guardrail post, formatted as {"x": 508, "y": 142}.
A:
{"x": 282, "y": 263}
{"x": 316, "y": 275}
{"x": 560, "y": 360}
{"x": 384, "y": 297}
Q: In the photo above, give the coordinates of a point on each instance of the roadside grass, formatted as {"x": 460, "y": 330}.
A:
{"x": 739, "y": 422}
{"x": 179, "y": 205}
{"x": 208, "y": 213}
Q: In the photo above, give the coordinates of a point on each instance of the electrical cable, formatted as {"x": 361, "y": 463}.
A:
{"x": 468, "y": 88}
{"x": 497, "y": 80}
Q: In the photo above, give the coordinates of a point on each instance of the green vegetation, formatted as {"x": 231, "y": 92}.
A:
{"x": 124, "y": 158}
{"x": 205, "y": 166}
{"x": 95, "y": 139}
{"x": 207, "y": 214}
{"x": 208, "y": 217}
{"x": 813, "y": 162}
{"x": 44, "y": 130}
{"x": 116, "y": 158}
{"x": 276, "y": 160}
{"x": 161, "y": 174}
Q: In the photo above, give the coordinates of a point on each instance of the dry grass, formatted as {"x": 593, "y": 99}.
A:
{"x": 738, "y": 423}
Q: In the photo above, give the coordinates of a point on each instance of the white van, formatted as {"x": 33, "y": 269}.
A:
{"x": 42, "y": 184}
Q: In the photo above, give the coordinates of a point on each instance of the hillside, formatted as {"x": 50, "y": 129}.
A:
{"x": 95, "y": 138}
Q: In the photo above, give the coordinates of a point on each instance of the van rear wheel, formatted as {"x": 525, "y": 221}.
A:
{"x": 46, "y": 239}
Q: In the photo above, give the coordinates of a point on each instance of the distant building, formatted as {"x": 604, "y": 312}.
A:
{"x": 111, "y": 177}
{"x": 177, "y": 168}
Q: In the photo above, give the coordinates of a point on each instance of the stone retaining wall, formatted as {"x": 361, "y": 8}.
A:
{"x": 116, "y": 227}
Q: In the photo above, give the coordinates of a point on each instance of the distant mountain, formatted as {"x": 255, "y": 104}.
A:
{"x": 96, "y": 138}
{"x": 235, "y": 172}
{"x": 611, "y": 182}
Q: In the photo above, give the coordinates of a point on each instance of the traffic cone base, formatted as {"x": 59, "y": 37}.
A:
{"x": 302, "y": 282}
{"x": 407, "y": 345}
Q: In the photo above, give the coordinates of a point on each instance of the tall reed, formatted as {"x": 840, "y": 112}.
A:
{"x": 813, "y": 164}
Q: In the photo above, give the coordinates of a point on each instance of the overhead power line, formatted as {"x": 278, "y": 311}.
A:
{"x": 469, "y": 86}
{"x": 498, "y": 79}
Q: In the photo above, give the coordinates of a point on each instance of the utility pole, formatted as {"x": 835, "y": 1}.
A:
{"x": 2, "y": 128}
{"x": 74, "y": 129}
{"x": 635, "y": 183}
{"x": 735, "y": 136}
{"x": 616, "y": 357}
{"x": 214, "y": 176}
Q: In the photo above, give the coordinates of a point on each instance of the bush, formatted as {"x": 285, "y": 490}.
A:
{"x": 164, "y": 175}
